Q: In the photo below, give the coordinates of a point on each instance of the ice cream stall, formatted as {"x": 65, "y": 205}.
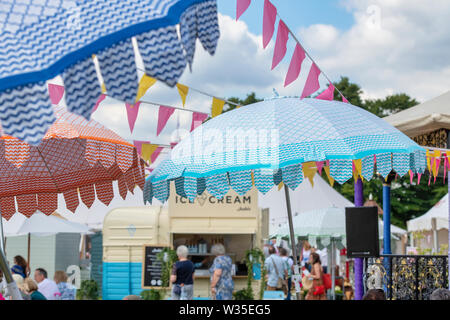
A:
{"x": 234, "y": 221}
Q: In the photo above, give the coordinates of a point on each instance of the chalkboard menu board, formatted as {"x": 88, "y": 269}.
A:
{"x": 151, "y": 267}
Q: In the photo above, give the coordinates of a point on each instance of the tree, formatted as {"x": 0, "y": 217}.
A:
{"x": 390, "y": 105}
{"x": 250, "y": 99}
{"x": 351, "y": 91}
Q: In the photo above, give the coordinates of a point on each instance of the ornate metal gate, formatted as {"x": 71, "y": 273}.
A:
{"x": 404, "y": 277}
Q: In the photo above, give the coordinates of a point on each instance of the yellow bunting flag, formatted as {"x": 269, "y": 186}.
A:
{"x": 253, "y": 179}
{"x": 358, "y": 169}
{"x": 309, "y": 171}
{"x": 437, "y": 154}
{"x": 280, "y": 186}
{"x": 145, "y": 84}
{"x": 428, "y": 161}
{"x": 148, "y": 150}
{"x": 217, "y": 107}
{"x": 183, "y": 91}
{"x": 330, "y": 179}
{"x": 103, "y": 88}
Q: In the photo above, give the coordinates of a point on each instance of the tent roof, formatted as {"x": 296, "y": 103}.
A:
{"x": 304, "y": 198}
{"x": 439, "y": 211}
{"x": 40, "y": 224}
{"x": 423, "y": 118}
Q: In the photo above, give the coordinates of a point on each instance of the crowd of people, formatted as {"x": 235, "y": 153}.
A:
{"x": 39, "y": 287}
{"x": 278, "y": 265}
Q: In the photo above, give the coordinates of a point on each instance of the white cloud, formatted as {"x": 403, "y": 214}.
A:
{"x": 394, "y": 46}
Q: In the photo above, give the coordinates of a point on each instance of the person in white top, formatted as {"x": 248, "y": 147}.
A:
{"x": 45, "y": 286}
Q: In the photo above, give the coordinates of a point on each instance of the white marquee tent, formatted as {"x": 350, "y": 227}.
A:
{"x": 439, "y": 211}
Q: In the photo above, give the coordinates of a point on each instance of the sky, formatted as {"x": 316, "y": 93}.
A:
{"x": 385, "y": 46}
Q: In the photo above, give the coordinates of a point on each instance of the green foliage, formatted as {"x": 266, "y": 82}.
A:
{"x": 253, "y": 256}
{"x": 389, "y": 105}
{"x": 167, "y": 257}
{"x": 250, "y": 99}
{"x": 244, "y": 294}
{"x": 351, "y": 91}
{"x": 407, "y": 201}
{"x": 153, "y": 294}
{"x": 88, "y": 290}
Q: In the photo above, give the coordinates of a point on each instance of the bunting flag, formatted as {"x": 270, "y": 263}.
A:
{"x": 163, "y": 116}
{"x": 241, "y": 7}
{"x": 280, "y": 186}
{"x": 148, "y": 150}
{"x": 138, "y": 145}
{"x": 419, "y": 175}
{"x": 327, "y": 171}
{"x": 183, "y": 91}
{"x": 269, "y": 18}
{"x": 344, "y": 100}
{"x": 309, "y": 171}
{"x": 319, "y": 165}
{"x": 411, "y": 176}
{"x": 145, "y": 84}
{"x": 132, "y": 113}
{"x": 197, "y": 119}
{"x": 312, "y": 82}
{"x": 446, "y": 165}
{"x": 357, "y": 169}
{"x": 56, "y": 93}
{"x": 327, "y": 94}
{"x": 280, "y": 44}
{"x": 217, "y": 107}
{"x": 437, "y": 163}
{"x": 295, "y": 66}
{"x": 100, "y": 99}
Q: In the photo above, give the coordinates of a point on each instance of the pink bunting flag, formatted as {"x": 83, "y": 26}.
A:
{"x": 327, "y": 94}
{"x": 438, "y": 163}
{"x": 319, "y": 165}
{"x": 132, "y": 113}
{"x": 156, "y": 153}
{"x": 446, "y": 164}
{"x": 312, "y": 82}
{"x": 163, "y": 116}
{"x": 280, "y": 44}
{"x": 100, "y": 99}
{"x": 419, "y": 175}
{"x": 411, "y": 176}
{"x": 197, "y": 119}
{"x": 344, "y": 100}
{"x": 241, "y": 7}
{"x": 138, "y": 144}
{"x": 173, "y": 144}
{"x": 295, "y": 66}
{"x": 269, "y": 18}
{"x": 55, "y": 92}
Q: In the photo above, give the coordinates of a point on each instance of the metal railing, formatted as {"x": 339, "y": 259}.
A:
{"x": 406, "y": 277}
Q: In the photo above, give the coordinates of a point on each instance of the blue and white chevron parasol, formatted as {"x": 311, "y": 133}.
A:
{"x": 40, "y": 40}
{"x": 268, "y": 142}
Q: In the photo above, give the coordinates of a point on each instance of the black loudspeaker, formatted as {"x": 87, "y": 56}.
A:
{"x": 361, "y": 224}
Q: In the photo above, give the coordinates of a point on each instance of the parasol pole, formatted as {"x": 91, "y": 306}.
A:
{"x": 28, "y": 254}
{"x": 3, "y": 247}
{"x": 359, "y": 262}
{"x": 11, "y": 285}
{"x": 333, "y": 270}
{"x": 296, "y": 277}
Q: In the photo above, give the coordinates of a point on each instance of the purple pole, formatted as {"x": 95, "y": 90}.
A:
{"x": 359, "y": 262}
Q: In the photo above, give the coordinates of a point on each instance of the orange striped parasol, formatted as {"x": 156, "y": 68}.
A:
{"x": 77, "y": 158}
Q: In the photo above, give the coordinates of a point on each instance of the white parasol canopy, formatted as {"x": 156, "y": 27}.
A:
{"x": 40, "y": 224}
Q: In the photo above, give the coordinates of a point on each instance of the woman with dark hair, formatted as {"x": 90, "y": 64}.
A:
{"x": 20, "y": 266}
{"x": 317, "y": 291}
